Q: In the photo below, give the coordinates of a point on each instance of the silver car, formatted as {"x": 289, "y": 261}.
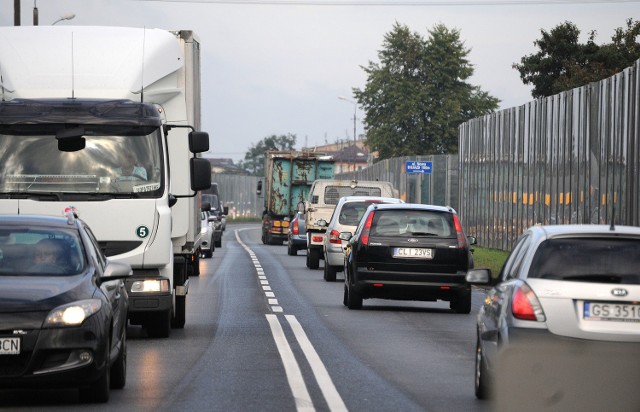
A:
{"x": 561, "y": 325}
{"x": 345, "y": 218}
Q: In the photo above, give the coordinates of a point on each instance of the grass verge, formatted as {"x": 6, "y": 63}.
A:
{"x": 489, "y": 258}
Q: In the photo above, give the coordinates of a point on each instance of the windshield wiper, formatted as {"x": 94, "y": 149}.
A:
{"x": 423, "y": 234}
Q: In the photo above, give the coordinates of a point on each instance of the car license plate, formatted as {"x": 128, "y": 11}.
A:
{"x": 413, "y": 253}
{"x": 621, "y": 312}
{"x": 9, "y": 346}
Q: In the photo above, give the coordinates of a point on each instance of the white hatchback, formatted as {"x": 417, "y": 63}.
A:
{"x": 345, "y": 218}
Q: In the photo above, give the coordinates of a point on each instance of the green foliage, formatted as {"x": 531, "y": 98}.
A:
{"x": 563, "y": 63}
{"x": 254, "y": 158}
{"x": 417, "y": 96}
{"x": 489, "y": 258}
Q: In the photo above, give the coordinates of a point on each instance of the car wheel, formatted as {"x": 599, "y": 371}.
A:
{"x": 98, "y": 391}
{"x": 481, "y": 381}
{"x": 291, "y": 251}
{"x": 462, "y": 302}
{"x": 354, "y": 299}
{"x": 329, "y": 271}
{"x": 160, "y": 325}
{"x": 314, "y": 258}
{"x": 119, "y": 368}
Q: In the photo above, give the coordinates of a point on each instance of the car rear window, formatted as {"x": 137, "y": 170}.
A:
{"x": 352, "y": 212}
{"x": 332, "y": 194}
{"x": 599, "y": 260}
{"x": 413, "y": 222}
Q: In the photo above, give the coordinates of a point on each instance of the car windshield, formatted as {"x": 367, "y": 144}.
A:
{"x": 413, "y": 222}
{"x": 40, "y": 252}
{"x": 599, "y": 260}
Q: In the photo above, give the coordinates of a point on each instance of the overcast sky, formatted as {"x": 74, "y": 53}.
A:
{"x": 278, "y": 66}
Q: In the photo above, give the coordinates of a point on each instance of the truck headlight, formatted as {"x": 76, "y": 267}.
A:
{"x": 150, "y": 285}
{"x": 72, "y": 314}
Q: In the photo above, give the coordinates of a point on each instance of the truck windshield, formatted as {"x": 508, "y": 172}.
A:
{"x": 128, "y": 165}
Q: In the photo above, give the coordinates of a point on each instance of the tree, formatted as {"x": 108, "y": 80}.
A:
{"x": 563, "y": 63}
{"x": 417, "y": 96}
{"x": 254, "y": 158}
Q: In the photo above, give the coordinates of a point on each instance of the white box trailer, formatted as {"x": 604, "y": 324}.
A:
{"x": 76, "y": 102}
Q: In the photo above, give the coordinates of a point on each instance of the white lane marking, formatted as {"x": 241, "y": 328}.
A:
{"x": 294, "y": 375}
{"x": 327, "y": 387}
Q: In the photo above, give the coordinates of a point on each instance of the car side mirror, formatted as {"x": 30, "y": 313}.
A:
{"x": 479, "y": 277}
{"x": 301, "y": 207}
{"x": 472, "y": 240}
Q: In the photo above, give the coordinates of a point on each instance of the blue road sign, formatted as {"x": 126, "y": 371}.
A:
{"x": 418, "y": 166}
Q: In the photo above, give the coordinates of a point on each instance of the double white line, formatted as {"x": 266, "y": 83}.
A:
{"x": 292, "y": 369}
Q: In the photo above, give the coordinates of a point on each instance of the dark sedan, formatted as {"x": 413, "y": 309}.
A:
{"x": 408, "y": 252}
{"x": 63, "y": 308}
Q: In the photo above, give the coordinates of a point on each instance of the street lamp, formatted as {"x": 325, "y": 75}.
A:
{"x": 354, "y": 117}
{"x": 67, "y": 16}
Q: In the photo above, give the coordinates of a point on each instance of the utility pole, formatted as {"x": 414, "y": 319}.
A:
{"x": 16, "y": 12}
{"x": 35, "y": 13}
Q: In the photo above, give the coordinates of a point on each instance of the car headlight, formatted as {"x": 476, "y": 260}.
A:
{"x": 72, "y": 314}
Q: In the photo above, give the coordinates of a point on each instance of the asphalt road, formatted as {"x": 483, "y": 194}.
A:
{"x": 264, "y": 333}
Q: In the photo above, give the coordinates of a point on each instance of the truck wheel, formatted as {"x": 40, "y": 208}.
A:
{"x": 329, "y": 272}
{"x": 193, "y": 268}
{"x": 180, "y": 315}
{"x": 160, "y": 325}
{"x": 218, "y": 243}
{"x": 314, "y": 258}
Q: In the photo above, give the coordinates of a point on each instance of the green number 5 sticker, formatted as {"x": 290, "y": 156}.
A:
{"x": 142, "y": 231}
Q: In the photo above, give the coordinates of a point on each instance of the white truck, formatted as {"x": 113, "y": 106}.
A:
{"x": 321, "y": 202}
{"x": 75, "y": 102}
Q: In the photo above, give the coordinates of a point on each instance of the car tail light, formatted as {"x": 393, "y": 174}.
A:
{"x": 462, "y": 239}
{"x": 364, "y": 237}
{"x": 296, "y": 230}
{"x": 525, "y": 304}
{"x": 333, "y": 237}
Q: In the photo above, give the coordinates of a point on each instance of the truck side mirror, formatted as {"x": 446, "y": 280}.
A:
{"x": 200, "y": 174}
{"x": 198, "y": 142}
{"x": 225, "y": 210}
{"x": 259, "y": 188}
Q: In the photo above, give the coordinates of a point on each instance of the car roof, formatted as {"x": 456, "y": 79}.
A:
{"x": 577, "y": 230}
{"x": 411, "y": 206}
{"x": 348, "y": 199}
{"x": 36, "y": 220}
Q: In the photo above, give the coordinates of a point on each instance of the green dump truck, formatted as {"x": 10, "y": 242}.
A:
{"x": 288, "y": 178}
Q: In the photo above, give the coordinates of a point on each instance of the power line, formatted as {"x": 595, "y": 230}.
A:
{"x": 397, "y": 3}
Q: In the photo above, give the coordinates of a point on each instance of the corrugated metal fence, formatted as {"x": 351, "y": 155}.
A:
{"x": 239, "y": 194}
{"x": 569, "y": 158}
